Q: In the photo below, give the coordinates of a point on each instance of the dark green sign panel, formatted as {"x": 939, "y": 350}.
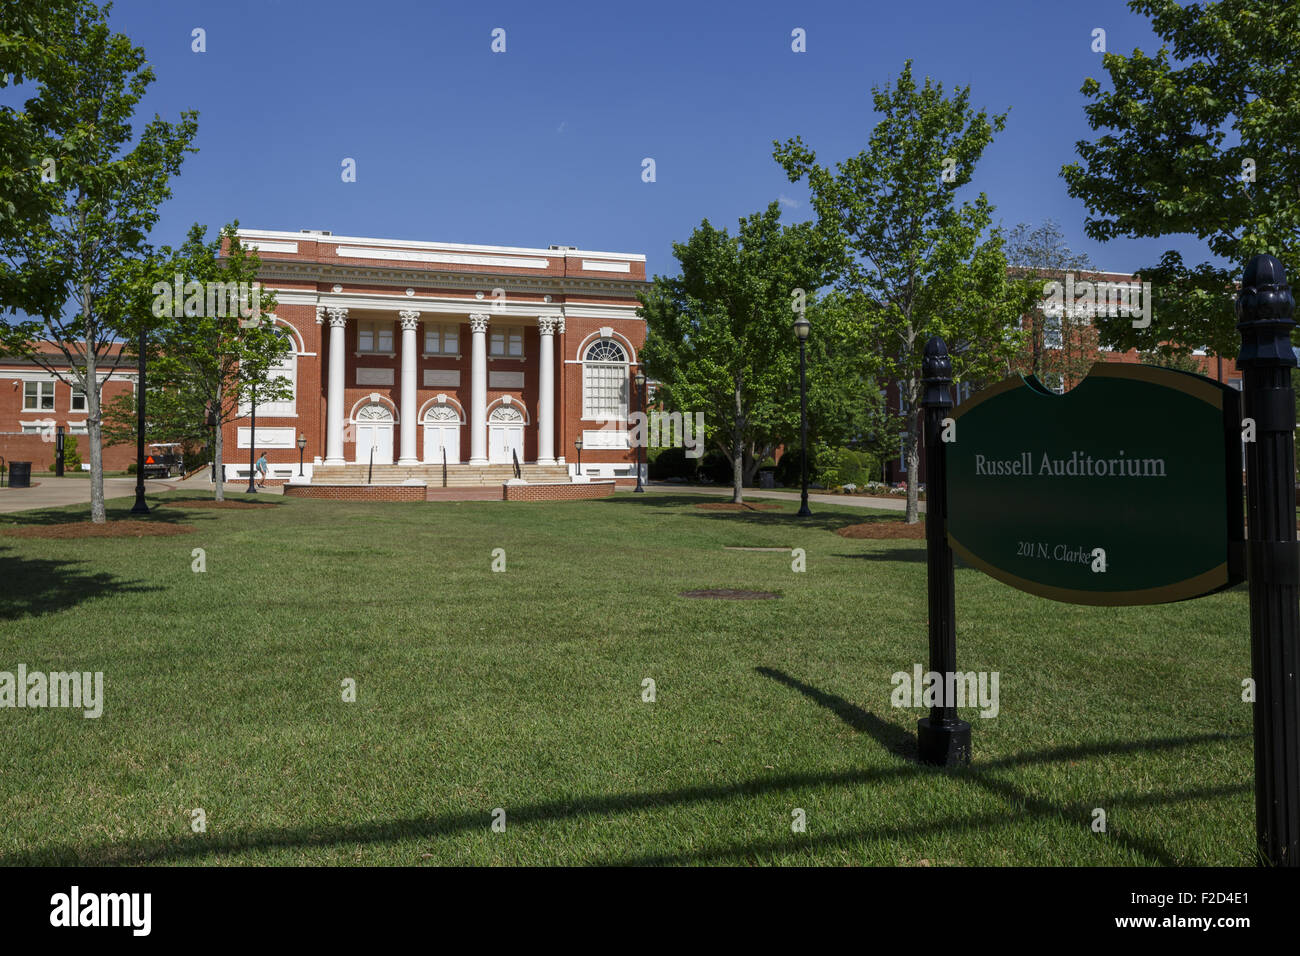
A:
{"x": 1125, "y": 490}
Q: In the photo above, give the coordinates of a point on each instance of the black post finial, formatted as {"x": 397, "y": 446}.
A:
{"x": 936, "y": 374}
{"x": 1265, "y": 314}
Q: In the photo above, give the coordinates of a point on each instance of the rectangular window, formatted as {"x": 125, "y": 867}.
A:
{"x": 78, "y": 429}
{"x": 78, "y": 400}
{"x": 374, "y": 337}
{"x": 604, "y": 392}
{"x": 1052, "y": 338}
{"x": 38, "y": 396}
{"x": 507, "y": 342}
{"x": 442, "y": 340}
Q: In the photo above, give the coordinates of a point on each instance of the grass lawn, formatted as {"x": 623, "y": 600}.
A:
{"x": 522, "y": 690}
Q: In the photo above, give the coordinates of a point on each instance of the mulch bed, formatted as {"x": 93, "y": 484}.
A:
{"x": 889, "y": 529}
{"x": 127, "y": 528}
{"x": 732, "y": 506}
{"x": 729, "y": 594}
{"x": 232, "y": 504}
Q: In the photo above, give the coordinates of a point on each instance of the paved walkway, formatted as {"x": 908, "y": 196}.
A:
{"x": 851, "y": 501}
{"x": 51, "y": 492}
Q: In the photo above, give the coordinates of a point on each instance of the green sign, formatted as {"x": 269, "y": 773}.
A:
{"x": 1125, "y": 490}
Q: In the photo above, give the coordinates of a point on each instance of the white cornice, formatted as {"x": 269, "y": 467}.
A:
{"x": 286, "y": 236}
{"x": 302, "y": 270}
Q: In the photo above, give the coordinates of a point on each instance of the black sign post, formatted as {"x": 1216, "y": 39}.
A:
{"x": 141, "y": 507}
{"x": 942, "y": 738}
{"x": 1265, "y": 317}
{"x": 58, "y": 453}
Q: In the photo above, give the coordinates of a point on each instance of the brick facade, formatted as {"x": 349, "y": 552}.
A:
{"x": 573, "y": 492}
{"x": 368, "y": 283}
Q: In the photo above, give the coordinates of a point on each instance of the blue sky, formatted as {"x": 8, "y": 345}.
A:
{"x": 543, "y": 144}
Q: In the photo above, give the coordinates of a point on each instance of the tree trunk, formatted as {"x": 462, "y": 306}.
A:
{"x": 738, "y": 450}
{"x": 95, "y": 435}
{"x": 913, "y": 449}
{"x": 218, "y": 467}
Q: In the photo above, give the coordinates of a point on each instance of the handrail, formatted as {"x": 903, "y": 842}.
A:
{"x": 444, "y": 466}
{"x": 370, "y": 475}
{"x": 515, "y": 455}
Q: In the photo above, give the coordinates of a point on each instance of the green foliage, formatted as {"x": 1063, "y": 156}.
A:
{"x": 71, "y": 456}
{"x": 834, "y": 467}
{"x": 1181, "y": 134}
{"x": 83, "y": 243}
{"x": 720, "y": 334}
{"x": 1171, "y": 358}
{"x": 911, "y": 260}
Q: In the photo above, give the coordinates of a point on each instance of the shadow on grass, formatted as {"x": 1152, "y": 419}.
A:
{"x": 886, "y": 735}
{"x": 114, "y": 511}
{"x": 35, "y": 586}
{"x": 825, "y": 521}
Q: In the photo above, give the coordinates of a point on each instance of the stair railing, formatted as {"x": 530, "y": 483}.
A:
{"x": 370, "y": 475}
{"x": 515, "y": 456}
{"x": 444, "y": 466}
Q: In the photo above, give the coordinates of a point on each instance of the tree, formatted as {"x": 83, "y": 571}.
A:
{"x": 212, "y": 360}
{"x": 1197, "y": 139}
{"x": 31, "y": 37}
{"x": 908, "y": 251}
{"x": 720, "y": 335}
{"x": 88, "y": 234}
{"x": 1061, "y": 347}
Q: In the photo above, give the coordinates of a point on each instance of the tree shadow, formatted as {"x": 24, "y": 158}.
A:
{"x": 587, "y": 807}
{"x": 114, "y": 511}
{"x": 36, "y": 586}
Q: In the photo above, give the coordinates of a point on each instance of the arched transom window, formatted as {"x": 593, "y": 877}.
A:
{"x": 506, "y": 415}
{"x": 604, "y": 381}
{"x": 374, "y": 412}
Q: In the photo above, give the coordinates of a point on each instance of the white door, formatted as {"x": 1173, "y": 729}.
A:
{"x": 376, "y": 436}
{"x": 502, "y": 440}
{"x": 505, "y": 434}
{"x": 439, "y": 438}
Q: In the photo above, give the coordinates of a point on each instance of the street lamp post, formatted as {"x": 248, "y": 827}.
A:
{"x": 252, "y": 440}
{"x": 801, "y": 330}
{"x": 639, "y": 379}
{"x": 139, "y": 508}
{"x": 302, "y": 443}
{"x": 577, "y": 444}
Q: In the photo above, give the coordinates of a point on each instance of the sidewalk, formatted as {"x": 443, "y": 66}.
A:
{"x": 852, "y": 501}
{"x": 51, "y": 492}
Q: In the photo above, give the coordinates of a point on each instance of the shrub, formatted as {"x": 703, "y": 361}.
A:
{"x": 672, "y": 463}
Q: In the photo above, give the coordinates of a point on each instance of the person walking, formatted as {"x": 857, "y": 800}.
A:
{"x": 262, "y": 470}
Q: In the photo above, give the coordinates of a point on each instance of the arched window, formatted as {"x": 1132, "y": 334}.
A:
{"x": 286, "y": 369}
{"x": 604, "y": 381}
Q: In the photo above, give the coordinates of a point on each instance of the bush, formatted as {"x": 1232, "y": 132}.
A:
{"x": 716, "y": 466}
{"x": 671, "y": 463}
{"x": 844, "y": 466}
{"x": 130, "y": 469}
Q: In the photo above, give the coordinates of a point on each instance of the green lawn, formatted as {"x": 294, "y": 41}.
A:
{"x": 522, "y": 690}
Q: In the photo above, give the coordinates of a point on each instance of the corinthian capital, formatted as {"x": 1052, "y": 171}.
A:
{"x": 338, "y": 317}
{"x": 546, "y": 324}
{"x": 478, "y": 321}
{"x": 320, "y": 315}
{"x": 410, "y": 319}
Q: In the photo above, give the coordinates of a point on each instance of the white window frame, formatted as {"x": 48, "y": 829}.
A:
{"x": 440, "y": 331}
{"x": 376, "y": 330}
{"x": 595, "y": 375}
{"x": 40, "y": 395}
{"x": 511, "y": 335}
{"x": 72, "y": 402}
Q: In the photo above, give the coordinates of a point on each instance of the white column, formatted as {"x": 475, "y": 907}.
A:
{"x": 478, "y": 324}
{"x": 546, "y": 392}
{"x": 410, "y": 319}
{"x": 334, "y": 396}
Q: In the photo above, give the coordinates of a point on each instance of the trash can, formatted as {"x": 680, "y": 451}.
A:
{"x": 767, "y": 479}
{"x": 20, "y": 474}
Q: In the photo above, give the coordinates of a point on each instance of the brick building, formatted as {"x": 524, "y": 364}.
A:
{"x": 34, "y": 403}
{"x": 408, "y": 354}
{"x": 1063, "y": 347}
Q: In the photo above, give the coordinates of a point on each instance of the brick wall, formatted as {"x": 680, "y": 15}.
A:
{"x": 579, "y": 490}
{"x": 357, "y": 492}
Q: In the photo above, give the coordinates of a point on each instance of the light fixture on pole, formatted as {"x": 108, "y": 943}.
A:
{"x": 639, "y": 379}
{"x": 252, "y": 440}
{"x": 140, "y": 508}
{"x": 801, "y": 329}
{"x": 302, "y": 443}
{"x": 577, "y": 443}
